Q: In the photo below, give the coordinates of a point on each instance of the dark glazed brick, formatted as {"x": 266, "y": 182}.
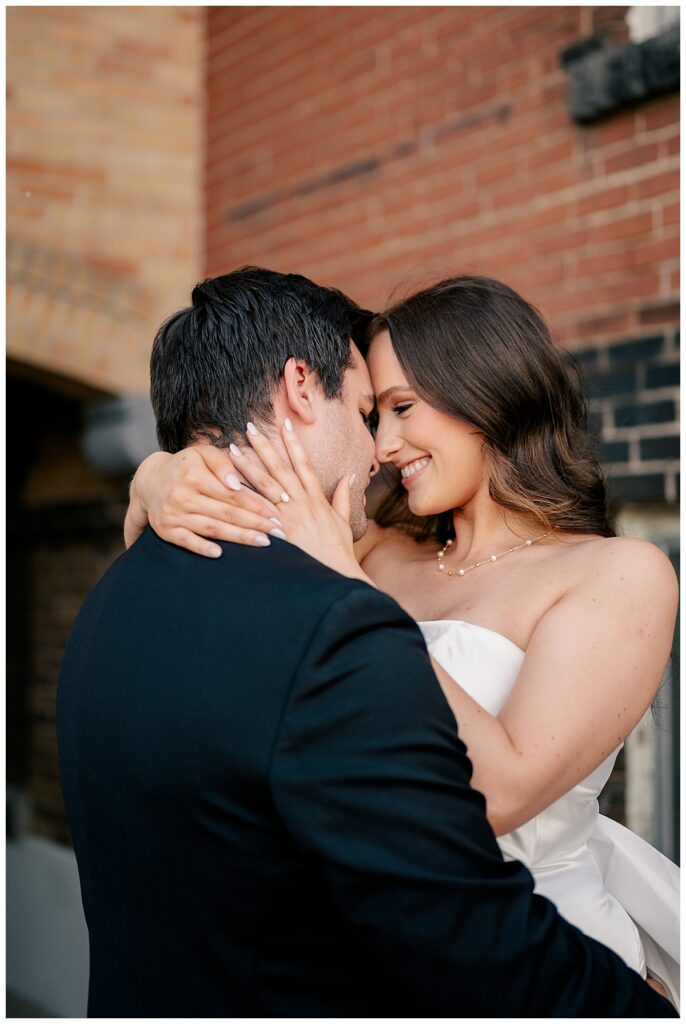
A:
{"x": 641, "y": 348}
{"x": 649, "y": 487}
{"x": 662, "y": 376}
{"x": 660, "y": 448}
{"x": 595, "y": 424}
{"x": 621, "y": 382}
{"x": 614, "y": 451}
{"x": 587, "y": 358}
{"x": 640, "y": 415}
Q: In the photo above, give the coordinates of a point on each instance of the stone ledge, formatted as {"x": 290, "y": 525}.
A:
{"x": 606, "y": 80}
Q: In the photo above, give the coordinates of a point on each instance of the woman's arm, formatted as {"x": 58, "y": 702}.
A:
{"x": 592, "y": 667}
{"x": 186, "y": 498}
{"x": 197, "y": 494}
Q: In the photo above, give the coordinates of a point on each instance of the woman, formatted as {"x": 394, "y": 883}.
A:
{"x": 549, "y": 634}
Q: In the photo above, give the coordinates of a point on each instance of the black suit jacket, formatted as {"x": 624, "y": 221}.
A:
{"x": 272, "y": 814}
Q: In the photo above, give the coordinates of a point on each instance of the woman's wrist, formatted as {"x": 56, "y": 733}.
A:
{"x": 139, "y": 490}
{"x": 144, "y": 477}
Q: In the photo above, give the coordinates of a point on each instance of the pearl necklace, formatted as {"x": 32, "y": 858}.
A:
{"x": 493, "y": 558}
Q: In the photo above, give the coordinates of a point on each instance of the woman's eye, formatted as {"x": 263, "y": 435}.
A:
{"x": 402, "y": 408}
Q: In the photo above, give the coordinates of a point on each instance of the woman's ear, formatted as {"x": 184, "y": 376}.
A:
{"x": 301, "y": 387}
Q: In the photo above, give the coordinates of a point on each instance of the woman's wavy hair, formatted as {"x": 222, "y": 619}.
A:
{"x": 476, "y": 350}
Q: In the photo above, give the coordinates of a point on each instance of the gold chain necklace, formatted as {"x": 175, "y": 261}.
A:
{"x": 492, "y": 558}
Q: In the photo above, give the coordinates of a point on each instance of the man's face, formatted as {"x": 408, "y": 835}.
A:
{"x": 343, "y": 443}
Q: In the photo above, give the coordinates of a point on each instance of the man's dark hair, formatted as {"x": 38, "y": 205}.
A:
{"x": 216, "y": 364}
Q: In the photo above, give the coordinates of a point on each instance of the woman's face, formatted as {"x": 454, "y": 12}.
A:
{"x": 440, "y": 458}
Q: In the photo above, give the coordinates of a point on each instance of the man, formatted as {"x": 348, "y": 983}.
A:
{"x": 270, "y": 807}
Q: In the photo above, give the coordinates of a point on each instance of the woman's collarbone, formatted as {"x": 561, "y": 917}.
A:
{"x": 511, "y": 602}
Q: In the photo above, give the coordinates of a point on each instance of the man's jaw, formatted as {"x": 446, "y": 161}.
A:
{"x": 358, "y": 516}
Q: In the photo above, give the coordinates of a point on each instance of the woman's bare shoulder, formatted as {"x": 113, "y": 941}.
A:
{"x": 639, "y": 552}
{"x": 628, "y": 564}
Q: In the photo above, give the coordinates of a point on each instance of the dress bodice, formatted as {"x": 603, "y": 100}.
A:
{"x": 602, "y": 877}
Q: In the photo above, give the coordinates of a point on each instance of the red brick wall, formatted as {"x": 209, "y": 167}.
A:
{"x": 105, "y": 119}
{"x": 371, "y": 146}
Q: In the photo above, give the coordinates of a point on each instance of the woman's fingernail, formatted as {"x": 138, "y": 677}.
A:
{"x": 262, "y": 541}
{"x": 233, "y": 482}
{"x": 214, "y": 552}
{"x": 273, "y": 519}
{"x": 251, "y": 428}
{"x": 284, "y": 497}
{"x": 277, "y": 533}
{"x": 288, "y": 425}
{"x": 352, "y": 479}
{"x": 235, "y": 450}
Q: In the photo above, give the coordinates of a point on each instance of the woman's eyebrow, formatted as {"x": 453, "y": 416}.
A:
{"x": 390, "y": 391}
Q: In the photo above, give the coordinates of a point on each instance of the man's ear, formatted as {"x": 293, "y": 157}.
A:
{"x": 302, "y": 389}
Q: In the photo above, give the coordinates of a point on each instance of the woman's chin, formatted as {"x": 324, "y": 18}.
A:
{"x": 423, "y": 506}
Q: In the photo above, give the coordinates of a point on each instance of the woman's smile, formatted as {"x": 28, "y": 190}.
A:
{"x": 412, "y": 470}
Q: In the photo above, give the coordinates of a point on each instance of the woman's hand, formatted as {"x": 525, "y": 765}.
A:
{"x": 196, "y": 494}
{"x": 319, "y": 528}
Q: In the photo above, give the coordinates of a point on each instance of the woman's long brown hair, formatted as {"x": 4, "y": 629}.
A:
{"x": 474, "y": 349}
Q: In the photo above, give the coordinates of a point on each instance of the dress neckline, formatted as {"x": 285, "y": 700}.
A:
{"x": 472, "y": 625}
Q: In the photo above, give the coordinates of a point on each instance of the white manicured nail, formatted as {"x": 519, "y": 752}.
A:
{"x": 352, "y": 479}
{"x": 233, "y": 482}
{"x": 235, "y": 450}
{"x": 288, "y": 425}
{"x": 214, "y": 552}
{"x": 252, "y": 429}
{"x": 284, "y": 497}
{"x": 273, "y": 519}
{"x": 262, "y": 541}
{"x": 277, "y": 533}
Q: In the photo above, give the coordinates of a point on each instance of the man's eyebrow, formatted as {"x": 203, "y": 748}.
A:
{"x": 390, "y": 391}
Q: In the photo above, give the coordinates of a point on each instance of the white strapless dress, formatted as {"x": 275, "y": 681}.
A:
{"x": 601, "y": 876}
